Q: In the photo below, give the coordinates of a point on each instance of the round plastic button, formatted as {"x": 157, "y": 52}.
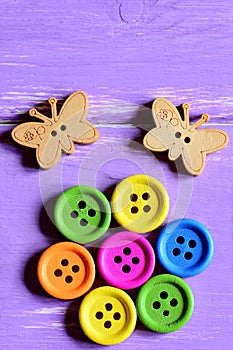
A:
{"x": 126, "y": 260}
{"x": 185, "y": 247}
{"x": 82, "y": 214}
{"x": 66, "y": 270}
{"x": 165, "y": 303}
{"x": 107, "y": 315}
{"x": 140, "y": 203}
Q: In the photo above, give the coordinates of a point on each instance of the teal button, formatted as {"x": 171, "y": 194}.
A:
{"x": 165, "y": 303}
{"x": 82, "y": 214}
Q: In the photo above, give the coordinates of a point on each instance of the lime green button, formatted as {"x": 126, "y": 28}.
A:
{"x": 82, "y": 214}
{"x": 165, "y": 303}
{"x": 140, "y": 203}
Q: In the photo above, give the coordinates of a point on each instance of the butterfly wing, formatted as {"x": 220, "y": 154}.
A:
{"x": 165, "y": 114}
{"x": 156, "y": 139}
{"x": 38, "y": 135}
{"x": 75, "y": 104}
{"x": 29, "y": 134}
{"x": 202, "y": 142}
{"x": 73, "y": 117}
{"x": 49, "y": 153}
{"x": 71, "y": 126}
{"x": 168, "y": 122}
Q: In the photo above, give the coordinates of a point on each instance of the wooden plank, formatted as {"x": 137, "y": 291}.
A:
{"x": 176, "y": 49}
{"x": 31, "y": 319}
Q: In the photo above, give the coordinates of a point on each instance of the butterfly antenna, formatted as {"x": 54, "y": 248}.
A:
{"x": 53, "y": 104}
{"x": 34, "y": 113}
{"x": 186, "y": 108}
{"x": 204, "y": 118}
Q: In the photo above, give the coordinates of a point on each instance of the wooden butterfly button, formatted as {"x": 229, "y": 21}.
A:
{"x": 176, "y": 135}
{"x": 58, "y": 133}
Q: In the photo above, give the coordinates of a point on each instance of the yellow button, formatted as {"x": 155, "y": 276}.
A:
{"x": 140, "y": 203}
{"x": 107, "y": 315}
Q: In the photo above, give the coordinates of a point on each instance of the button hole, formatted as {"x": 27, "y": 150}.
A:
{"x": 180, "y": 240}
{"x": 68, "y": 279}
{"x": 64, "y": 262}
{"x": 117, "y": 316}
{"x": 63, "y": 127}
{"x": 135, "y": 260}
{"x": 91, "y": 212}
{"x": 174, "y": 302}
{"x": 99, "y": 315}
{"x": 146, "y": 208}
{"x": 107, "y": 324}
{"x": 166, "y": 313}
{"x": 188, "y": 255}
{"x": 127, "y": 251}
{"x": 58, "y": 273}
{"x": 145, "y": 196}
{"x": 75, "y": 268}
{"x": 74, "y": 214}
{"x": 108, "y": 306}
{"x": 82, "y": 205}
{"x": 156, "y": 305}
{"x": 134, "y": 210}
{"x": 118, "y": 259}
{"x": 187, "y": 140}
{"x": 163, "y": 295}
{"x": 176, "y": 252}
{"x": 83, "y": 222}
{"x": 192, "y": 243}
{"x": 126, "y": 268}
{"x": 133, "y": 197}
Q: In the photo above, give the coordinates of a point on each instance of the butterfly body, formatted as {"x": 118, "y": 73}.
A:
{"x": 54, "y": 135}
{"x": 180, "y": 138}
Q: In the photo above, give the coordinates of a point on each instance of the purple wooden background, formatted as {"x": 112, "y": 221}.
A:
{"x": 123, "y": 53}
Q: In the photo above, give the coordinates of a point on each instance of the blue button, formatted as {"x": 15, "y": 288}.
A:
{"x": 185, "y": 247}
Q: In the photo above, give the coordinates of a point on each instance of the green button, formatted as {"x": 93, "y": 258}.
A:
{"x": 82, "y": 214}
{"x": 165, "y": 303}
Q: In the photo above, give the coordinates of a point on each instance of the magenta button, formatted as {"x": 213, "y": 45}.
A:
{"x": 126, "y": 260}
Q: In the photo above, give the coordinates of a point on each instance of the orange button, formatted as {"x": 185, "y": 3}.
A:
{"x": 66, "y": 270}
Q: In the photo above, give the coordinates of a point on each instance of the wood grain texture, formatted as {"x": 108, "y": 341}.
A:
{"x": 179, "y": 50}
{"x": 123, "y": 54}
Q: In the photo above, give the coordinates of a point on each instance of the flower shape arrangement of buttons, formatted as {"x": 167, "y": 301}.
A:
{"x": 107, "y": 315}
{"x": 185, "y": 247}
{"x": 82, "y": 214}
{"x": 66, "y": 270}
{"x": 165, "y": 303}
{"x": 140, "y": 203}
{"x": 126, "y": 260}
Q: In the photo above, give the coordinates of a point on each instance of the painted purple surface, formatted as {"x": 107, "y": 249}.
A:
{"x": 123, "y": 54}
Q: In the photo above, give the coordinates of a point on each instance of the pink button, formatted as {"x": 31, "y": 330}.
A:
{"x": 126, "y": 260}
